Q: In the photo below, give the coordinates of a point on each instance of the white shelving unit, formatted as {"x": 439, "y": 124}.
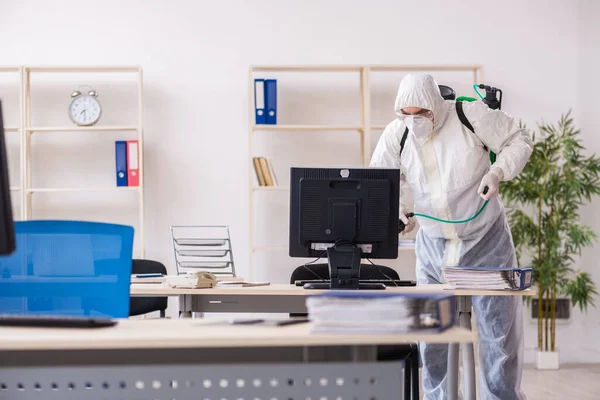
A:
{"x": 8, "y": 129}
{"x": 364, "y": 74}
{"x": 27, "y": 130}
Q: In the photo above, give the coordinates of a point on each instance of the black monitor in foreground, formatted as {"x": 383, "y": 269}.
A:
{"x": 7, "y": 230}
{"x": 346, "y": 214}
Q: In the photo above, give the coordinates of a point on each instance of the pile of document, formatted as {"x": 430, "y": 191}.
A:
{"x": 363, "y": 312}
{"x": 486, "y": 278}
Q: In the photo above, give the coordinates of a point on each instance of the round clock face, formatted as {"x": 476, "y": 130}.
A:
{"x": 85, "y": 110}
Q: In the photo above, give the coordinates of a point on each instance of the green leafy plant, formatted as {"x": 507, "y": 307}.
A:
{"x": 543, "y": 205}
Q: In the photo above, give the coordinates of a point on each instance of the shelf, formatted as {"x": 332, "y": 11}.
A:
{"x": 399, "y": 68}
{"x": 11, "y": 129}
{"x": 358, "y": 68}
{"x": 377, "y": 128}
{"x": 82, "y": 128}
{"x": 306, "y": 68}
{"x": 271, "y": 188}
{"x": 99, "y": 68}
{"x": 15, "y": 189}
{"x": 265, "y": 127}
{"x": 107, "y": 189}
{"x": 9, "y": 69}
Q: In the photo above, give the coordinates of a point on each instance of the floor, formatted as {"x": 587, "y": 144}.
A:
{"x": 581, "y": 382}
{"x": 570, "y": 382}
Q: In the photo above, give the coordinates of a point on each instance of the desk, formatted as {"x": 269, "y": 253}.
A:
{"x": 285, "y": 298}
{"x": 191, "y": 359}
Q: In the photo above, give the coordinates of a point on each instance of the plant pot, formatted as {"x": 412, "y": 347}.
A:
{"x": 546, "y": 359}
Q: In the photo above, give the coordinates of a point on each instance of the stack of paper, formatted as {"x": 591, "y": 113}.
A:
{"x": 361, "y": 312}
{"x": 241, "y": 283}
{"x": 487, "y": 278}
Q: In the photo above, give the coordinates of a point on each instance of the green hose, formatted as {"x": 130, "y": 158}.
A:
{"x": 475, "y": 86}
{"x": 448, "y": 221}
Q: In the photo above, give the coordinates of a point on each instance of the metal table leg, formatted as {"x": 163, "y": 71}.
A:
{"x": 452, "y": 375}
{"x": 415, "y": 372}
{"x": 468, "y": 353}
{"x": 407, "y": 378}
{"x": 185, "y": 306}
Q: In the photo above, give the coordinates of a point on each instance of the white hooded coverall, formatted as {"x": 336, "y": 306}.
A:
{"x": 443, "y": 171}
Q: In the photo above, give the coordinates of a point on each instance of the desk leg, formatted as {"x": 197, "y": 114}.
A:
{"x": 452, "y": 374}
{"x": 468, "y": 352}
{"x": 185, "y": 306}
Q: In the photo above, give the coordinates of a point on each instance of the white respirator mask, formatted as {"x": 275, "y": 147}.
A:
{"x": 421, "y": 127}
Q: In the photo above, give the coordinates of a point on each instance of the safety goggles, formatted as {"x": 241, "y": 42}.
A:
{"x": 423, "y": 113}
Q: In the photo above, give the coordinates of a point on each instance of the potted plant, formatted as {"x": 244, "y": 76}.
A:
{"x": 543, "y": 210}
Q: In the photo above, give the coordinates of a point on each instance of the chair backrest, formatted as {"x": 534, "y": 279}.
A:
{"x": 70, "y": 268}
{"x": 321, "y": 271}
{"x": 140, "y": 266}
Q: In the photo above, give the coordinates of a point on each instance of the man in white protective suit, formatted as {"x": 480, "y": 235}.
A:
{"x": 447, "y": 167}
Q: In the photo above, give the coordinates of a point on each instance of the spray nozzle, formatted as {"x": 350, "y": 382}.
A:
{"x": 491, "y": 98}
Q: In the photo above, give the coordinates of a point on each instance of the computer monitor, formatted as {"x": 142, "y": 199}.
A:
{"x": 346, "y": 214}
{"x": 7, "y": 230}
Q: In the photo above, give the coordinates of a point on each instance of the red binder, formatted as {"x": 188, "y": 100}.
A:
{"x": 133, "y": 169}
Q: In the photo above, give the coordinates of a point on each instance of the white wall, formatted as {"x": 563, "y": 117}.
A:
{"x": 585, "y": 327}
{"x": 196, "y": 54}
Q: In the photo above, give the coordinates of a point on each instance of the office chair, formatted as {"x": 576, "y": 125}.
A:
{"x": 145, "y": 305}
{"x": 409, "y": 353}
{"x": 68, "y": 268}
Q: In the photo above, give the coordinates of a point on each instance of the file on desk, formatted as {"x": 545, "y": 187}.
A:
{"x": 366, "y": 312}
{"x": 488, "y": 278}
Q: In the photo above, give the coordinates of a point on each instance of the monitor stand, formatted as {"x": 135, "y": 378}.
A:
{"x": 344, "y": 270}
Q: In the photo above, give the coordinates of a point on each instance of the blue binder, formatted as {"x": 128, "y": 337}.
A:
{"x": 121, "y": 162}
{"x": 271, "y": 100}
{"x": 259, "y": 101}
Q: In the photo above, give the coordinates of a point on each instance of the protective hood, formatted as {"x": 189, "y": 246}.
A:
{"x": 421, "y": 90}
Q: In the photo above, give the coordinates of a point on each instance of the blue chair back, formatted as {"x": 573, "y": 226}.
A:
{"x": 68, "y": 268}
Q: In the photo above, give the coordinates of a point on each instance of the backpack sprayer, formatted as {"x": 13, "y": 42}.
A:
{"x": 494, "y": 102}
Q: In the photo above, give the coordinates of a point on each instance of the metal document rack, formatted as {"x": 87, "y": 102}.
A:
{"x": 203, "y": 248}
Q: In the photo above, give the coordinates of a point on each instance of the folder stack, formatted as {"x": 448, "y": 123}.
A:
{"x": 385, "y": 313}
{"x": 488, "y": 278}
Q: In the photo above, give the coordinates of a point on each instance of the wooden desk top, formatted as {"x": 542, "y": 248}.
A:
{"x": 193, "y": 333}
{"x": 149, "y": 289}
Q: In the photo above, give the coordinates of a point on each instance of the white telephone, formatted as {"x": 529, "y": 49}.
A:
{"x": 193, "y": 280}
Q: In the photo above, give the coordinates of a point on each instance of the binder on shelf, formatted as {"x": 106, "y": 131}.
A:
{"x": 133, "y": 169}
{"x": 381, "y": 312}
{"x": 271, "y": 100}
{"x": 266, "y": 172}
{"x": 121, "y": 162}
{"x": 258, "y": 170}
{"x": 488, "y": 278}
{"x": 259, "y": 101}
